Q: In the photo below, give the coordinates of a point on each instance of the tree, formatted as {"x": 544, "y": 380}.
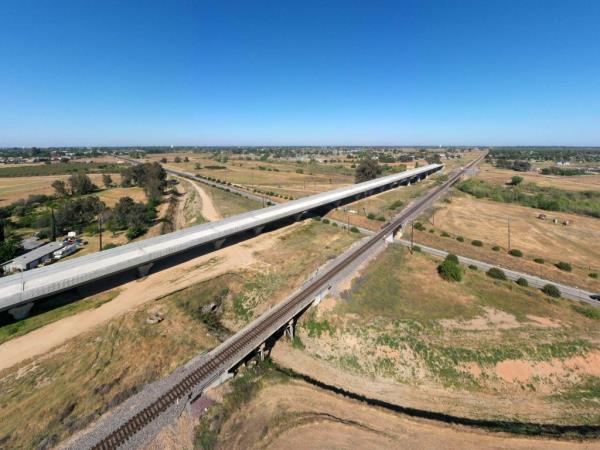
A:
{"x": 107, "y": 180}
{"x": 186, "y": 159}
{"x": 551, "y": 290}
{"x": 450, "y": 269}
{"x": 150, "y": 176}
{"x": 163, "y": 160}
{"x": 368, "y": 169}
{"x": 522, "y": 282}
{"x": 496, "y": 273}
{"x": 177, "y": 159}
{"x": 127, "y": 214}
{"x": 60, "y": 187}
{"x": 78, "y": 213}
{"x": 9, "y": 249}
{"x": 81, "y": 184}
{"x": 516, "y": 180}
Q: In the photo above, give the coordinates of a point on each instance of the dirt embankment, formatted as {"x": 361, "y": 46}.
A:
{"x": 132, "y": 295}
{"x": 298, "y": 415}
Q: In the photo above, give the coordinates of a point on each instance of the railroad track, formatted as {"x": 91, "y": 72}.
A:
{"x": 242, "y": 341}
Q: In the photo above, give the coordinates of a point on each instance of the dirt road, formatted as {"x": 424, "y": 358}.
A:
{"x": 209, "y": 212}
{"x": 132, "y": 295}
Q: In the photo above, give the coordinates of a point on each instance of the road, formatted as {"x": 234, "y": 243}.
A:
{"x": 131, "y": 425}
{"x": 570, "y": 292}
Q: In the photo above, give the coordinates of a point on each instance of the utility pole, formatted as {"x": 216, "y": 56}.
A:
{"x": 53, "y": 233}
{"x": 100, "y": 229}
{"x": 412, "y": 235}
{"x": 508, "y": 221}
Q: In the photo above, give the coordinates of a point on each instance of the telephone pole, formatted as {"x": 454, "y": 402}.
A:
{"x": 508, "y": 221}
{"x": 100, "y": 229}
{"x": 412, "y": 235}
{"x": 53, "y": 234}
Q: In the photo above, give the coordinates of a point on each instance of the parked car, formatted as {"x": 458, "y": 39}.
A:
{"x": 595, "y": 297}
{"x": 65, "y": 251}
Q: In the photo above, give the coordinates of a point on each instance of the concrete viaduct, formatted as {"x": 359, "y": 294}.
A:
{"x": 19, "y": 291}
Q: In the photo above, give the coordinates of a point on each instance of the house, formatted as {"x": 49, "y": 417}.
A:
{"x": 32, "y": 259}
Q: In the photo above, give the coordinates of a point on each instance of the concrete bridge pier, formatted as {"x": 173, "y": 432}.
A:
{"x": 289, "y": 330}
{"x": 20, "y": 312}
{"x": 258, "y": 230}
{"x": 219, "y": 243}
{"x": 262, "y": 351}
{"x": 144, "y": 270}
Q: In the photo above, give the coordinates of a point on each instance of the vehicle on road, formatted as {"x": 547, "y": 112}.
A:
{"x": 65, "y": 251}
{"x": 595, "y": 297}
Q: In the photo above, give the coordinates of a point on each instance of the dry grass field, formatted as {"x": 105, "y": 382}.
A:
{"x": 12, "y": 189}
{"x": 501, "y": 177}
{"x": 488, "y": 221}
{"x": 479, "y": 348}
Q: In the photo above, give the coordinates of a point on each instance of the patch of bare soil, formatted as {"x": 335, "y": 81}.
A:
{"x": 522, "y": 371}
{"x": 134, "y": 294}
{"x": 300, "y": 416}
{"x": 493, "y": 319}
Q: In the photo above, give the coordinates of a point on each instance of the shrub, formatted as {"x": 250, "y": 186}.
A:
{"x": 515, "y": 252}
{"x": 496, "y": 273}
{"x": 477, "y": 243}
{"x": 564, "y": 266}
{"x": 431, "y": 230}
{"x": 516, "y": 180}
{"x": 317, "y": 218}
{"x": 419, "y": 226}
{"x": 551, "y": 290}
{"x": 416, "y": 248}
{"x": 135, "y": 231}
{"x": 381, "y": 218}
{"x": 472, "y": 267}
{"x": 334, "y": 224}
{"x": 450, "y": 271}
{"x": 325, "y": 220}
{"x": 371, "y": 216}
{"x": 444, "y": 234}
{"x": 452, "y": 258}
{"x": 593, "y": 275}
{"x": 522, "y": 282}
{"x": 109, "y": 245}
{"x": 496, "y": 248}
{"x": 354, "y": 230}
{"x": 397, "y": 204}
{"x": 460, "y": 239}
{"x": 539, "y": 260}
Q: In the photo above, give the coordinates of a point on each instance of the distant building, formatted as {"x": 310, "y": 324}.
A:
{"x": 31, "y": 243}
{"x": 32, "y": 259}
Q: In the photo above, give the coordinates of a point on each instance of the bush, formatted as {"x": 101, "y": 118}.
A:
{"x": 452, "y": 258}
{"x": 472, "y": 267}
{"x": 325, "y": 220}
{"x": 497, "y": 274}
{"x": 539, "y": 260}
{"x": 444, "y": 234}
{"x": 371, "y": 216}
{"x": 317, "y": 218}
{"x": 419, "y": 226}
{"x": 477, "y": 243}
{"x": 460, "y": 239}
{"x": 381, "y": 218}
{"x": 515, "y": 252}
{"x": 564, "y": 266}
{"x": 522, "y": 282}
{"x": 431, "y": 230}
{"x": 551, "y": 290}
{"x": 135, "y": 231}
{"x": 593, "y": 275}
{"x": 109, "y": 246}
{"x": 449, "y": 270}
{"x": 416, "y": 248}
{"x": 496, "y": 248}
{"x": 354, "y": 230}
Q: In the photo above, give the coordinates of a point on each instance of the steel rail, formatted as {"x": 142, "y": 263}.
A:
{"x": 280, "y": 315}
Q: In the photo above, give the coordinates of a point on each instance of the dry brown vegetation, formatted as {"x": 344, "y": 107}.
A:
{"x": 487, "y": 221}
{"x": 479, "y": 348}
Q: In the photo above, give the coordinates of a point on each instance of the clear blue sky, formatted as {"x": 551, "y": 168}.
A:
{"x": 305, "y": 72}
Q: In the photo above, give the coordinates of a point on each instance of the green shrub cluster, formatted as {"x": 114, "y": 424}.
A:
{"x": 450, "y": 269}
{"x": 515, "y": 252}
{"x": 564, "y": 266}
{"x": 496, "y": 273}
{"x": 477, "y": 243}
{"x": 551, "y": 290}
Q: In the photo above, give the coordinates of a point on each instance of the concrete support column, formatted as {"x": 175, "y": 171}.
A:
{"x": 219, "y": 243}
{"x": 20, "y": 312}
{"x": 289, "y": 329}
{"x": 144, "y": 270}
{"x": 261, "y": 352}
{"x": 258, "y": 230}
